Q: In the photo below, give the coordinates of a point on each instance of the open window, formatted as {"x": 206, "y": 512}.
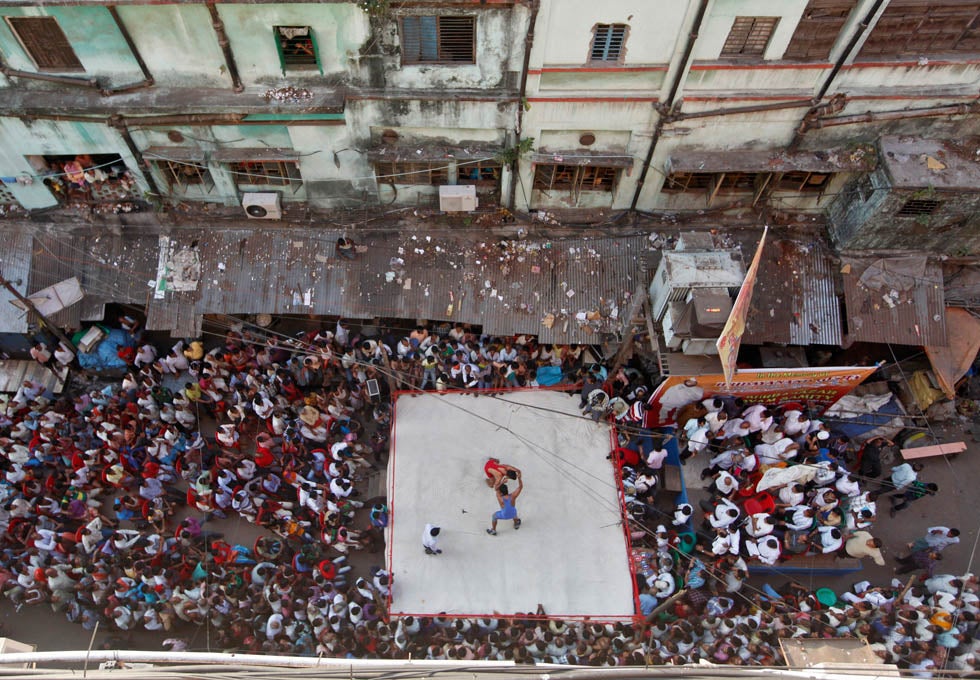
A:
{"x": 433, "y": 173}
{"x": 575, "y": 178}
{"x": 297, "y": 48}
{"x": 184, "y": 170}
{"x": 479, "y": 173}
{"x": 266, "y": 173}
{"x": 86, "y": 178}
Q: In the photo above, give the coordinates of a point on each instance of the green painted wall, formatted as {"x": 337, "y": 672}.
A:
{"x": 55, "y": 138}
{"x": 178, "y": 44}
{"x": 337, "y": 27}
{"x": 93, "y": 34}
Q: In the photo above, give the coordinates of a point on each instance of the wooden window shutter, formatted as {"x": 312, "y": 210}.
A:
{"x": 819, "y": 27}
{"x": 45, "y": 43}
{"x": 923, "y": 27}
{"x": 749, "y": 37}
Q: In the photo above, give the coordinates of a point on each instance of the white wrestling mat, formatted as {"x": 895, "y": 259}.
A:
{"x": 570, "y": 553}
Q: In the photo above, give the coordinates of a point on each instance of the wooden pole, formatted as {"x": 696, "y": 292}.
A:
{"x": 44, "y": 320}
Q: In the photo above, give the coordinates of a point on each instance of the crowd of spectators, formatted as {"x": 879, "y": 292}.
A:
{"x": 110, "y": 497}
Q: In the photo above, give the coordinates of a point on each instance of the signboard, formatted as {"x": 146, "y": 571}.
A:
{"x": 730, "y": 339}
{"x": 815, "y": 388}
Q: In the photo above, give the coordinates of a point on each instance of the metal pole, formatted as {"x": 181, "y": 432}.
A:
{"x": 44, "y": 320}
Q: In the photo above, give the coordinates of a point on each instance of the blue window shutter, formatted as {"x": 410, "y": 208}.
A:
{"x": 411, "y": 40}
{"x": 429, "y": 38}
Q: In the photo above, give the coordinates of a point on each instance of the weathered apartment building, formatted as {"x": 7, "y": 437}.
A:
{"x": 858, "y": 113}
{"x": 796, "y": 106}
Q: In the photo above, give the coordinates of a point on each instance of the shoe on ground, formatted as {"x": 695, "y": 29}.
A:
{"x": 517, "y": 524}
{"x": 492, "y": 532}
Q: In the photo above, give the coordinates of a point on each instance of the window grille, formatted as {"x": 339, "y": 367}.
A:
{"x": 918, "y": 206}
{"x": 608, "y": 42}
{"x": 297, "y": 47}
{"x": 181, "y": 175}
{"x": 575, "y": 178}
{"x": 396, "y": 172}
{"x": 267, "y": 173}
{"x": 438, "y": 39}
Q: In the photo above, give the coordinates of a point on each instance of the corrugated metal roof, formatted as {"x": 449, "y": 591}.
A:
{"x": 15, "y": 264}
{"x": 506, "y": 288}
{"x": 794, "y": 301}
{"x": 895, "y": 300}
{"x": 110, "y": 267}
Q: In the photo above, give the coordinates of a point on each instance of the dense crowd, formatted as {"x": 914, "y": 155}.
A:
{"x": 110, "y": 497}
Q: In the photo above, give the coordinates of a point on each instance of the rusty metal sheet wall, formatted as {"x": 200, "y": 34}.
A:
{"x": 111, "y": 268}
{"x": 915, "y": 317}
{"x": 794, "y": 302}
{"x": 15, "y": 264}
{"x": 507, "y": 288}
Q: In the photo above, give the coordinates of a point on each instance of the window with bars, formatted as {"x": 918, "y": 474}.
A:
{"x": 575, "y": 178}
{"x": 909, "y": 28}
{"x": 425, "y": 172}
{"x": 736, "y": 182}
{"x": 297, "y": 47}
{"x": 483, "y": 173}
{"x": 818, "y": 29}
{"x": 183, "y": 174}
{"x": 608, "y": 42}
{"x": 45, "y": 43}
{"x": 438, "y": 39}
{"x": 749, "y": 37}
{"x": 680, "y": 182}
{"x": 915, "y": 207}
{"x": 267, "y": 173}
{"x": 803, "y": 182}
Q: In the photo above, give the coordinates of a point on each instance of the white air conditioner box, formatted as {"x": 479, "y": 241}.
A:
{"x": 458, "y": 198}
{"x": 262, "y": 206}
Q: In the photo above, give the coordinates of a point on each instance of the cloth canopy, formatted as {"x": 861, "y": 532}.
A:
{"x": 951, "y": 363}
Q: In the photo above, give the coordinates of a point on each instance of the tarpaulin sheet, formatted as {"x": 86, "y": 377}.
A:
{"x": 951, "y": 363}
{"x": 106, "y": 357}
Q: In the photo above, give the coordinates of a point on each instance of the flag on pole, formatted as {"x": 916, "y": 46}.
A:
{"x": 731, "y": 336}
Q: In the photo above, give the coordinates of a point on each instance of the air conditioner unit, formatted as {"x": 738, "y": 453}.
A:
{"x": 458, "y": 198}
{"x": 262, "y": 206}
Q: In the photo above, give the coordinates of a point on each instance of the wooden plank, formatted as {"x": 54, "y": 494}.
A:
{"x": 14, "y": 372}
{"x": 937, "y": 450}
{"x": 672, "y": 478}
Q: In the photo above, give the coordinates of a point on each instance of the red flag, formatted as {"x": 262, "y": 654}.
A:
{"x": 731, "y": 336}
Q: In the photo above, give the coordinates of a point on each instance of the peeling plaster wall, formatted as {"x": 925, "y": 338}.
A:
{"x": 178, "y": 44}
{"x": 655, "y": 28}
{"x": 339, "y": 30}
{"x": 499, "y": 51}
